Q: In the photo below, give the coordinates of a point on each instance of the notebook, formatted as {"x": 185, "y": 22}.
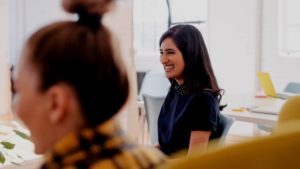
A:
{"x": 268, "y": 87}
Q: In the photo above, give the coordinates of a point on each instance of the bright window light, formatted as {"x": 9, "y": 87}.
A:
{"x": 151, "y": 19}
{"x": 289, "y": 28}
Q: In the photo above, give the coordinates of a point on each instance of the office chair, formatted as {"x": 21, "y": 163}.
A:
{"x": 224, "y": 125}
{"x": 153, "y": 105}
{"x": 155, "y": 84}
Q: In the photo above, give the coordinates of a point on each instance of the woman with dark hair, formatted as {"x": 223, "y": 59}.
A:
{"x": 70, "y": 83}
{"x": 190, "y": 113}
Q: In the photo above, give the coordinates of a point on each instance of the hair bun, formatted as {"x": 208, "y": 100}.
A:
{"x": 93, "y": 7}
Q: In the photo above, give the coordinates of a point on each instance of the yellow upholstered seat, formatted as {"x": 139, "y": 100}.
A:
{"x": 290, "y": 112}
{"x": 280, "y": 150}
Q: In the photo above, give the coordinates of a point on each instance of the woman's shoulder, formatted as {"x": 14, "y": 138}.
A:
{"x": 204, "y": 96}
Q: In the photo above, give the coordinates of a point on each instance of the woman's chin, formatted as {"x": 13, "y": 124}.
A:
{"x": 39, "y": 148}
{"x": 169, "y": 75}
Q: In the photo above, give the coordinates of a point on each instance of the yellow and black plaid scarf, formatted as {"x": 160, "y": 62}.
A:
{"x": 103, "y": 147}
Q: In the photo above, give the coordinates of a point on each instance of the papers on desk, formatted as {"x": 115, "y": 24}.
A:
{"x": 272, "y": 109}
{"x": 286, "y": 95}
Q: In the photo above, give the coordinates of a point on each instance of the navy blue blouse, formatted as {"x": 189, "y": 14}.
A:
{"x": 183, "y": 113}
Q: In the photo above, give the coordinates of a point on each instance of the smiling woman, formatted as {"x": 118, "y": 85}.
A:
{"x": 190, "y": 114}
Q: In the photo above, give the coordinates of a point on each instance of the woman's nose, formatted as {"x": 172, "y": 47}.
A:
{"x": 163, "y": 59}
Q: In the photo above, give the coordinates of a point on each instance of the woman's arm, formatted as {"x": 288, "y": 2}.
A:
{"x": 198, "y": 141}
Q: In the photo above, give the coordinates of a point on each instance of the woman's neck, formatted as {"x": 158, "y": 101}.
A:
{"x": 179, "y": 81}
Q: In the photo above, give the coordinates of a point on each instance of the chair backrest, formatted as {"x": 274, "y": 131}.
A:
{"x": 289, "y": 112}
{"x": 154, "y": 84}
{"x": 292, "y": 87}
{"x": 152, "y": 108}
{"x": 224, "y": 125}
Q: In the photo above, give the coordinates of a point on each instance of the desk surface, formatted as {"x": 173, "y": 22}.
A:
{"x": 244, "y": 101}
{"x": 258, "y": 118}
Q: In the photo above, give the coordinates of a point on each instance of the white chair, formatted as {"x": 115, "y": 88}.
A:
{"x": 154, "y": 84}
{"x": 152, "y": 108}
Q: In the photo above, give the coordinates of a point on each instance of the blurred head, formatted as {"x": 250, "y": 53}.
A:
{"x": 90, "y": 6}
{"x": 185, "y": 57}
{"x": 69, "y": 77}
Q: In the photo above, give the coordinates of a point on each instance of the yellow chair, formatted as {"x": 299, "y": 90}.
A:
{"x": 280, "y": 150}
{"x": 290, "y": 112}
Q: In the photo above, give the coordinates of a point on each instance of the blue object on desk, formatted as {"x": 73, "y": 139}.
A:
{"x": 292, "y": 87}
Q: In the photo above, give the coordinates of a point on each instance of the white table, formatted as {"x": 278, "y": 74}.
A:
{"x": 242, "y": 101}
{"x": 258, "y": 118}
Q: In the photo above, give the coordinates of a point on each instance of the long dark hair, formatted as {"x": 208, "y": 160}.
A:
{"x": 81, "y": 55}
{"x": 188, "y": 39}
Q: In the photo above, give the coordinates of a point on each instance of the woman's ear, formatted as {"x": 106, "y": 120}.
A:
{"x": 58, "y": 99}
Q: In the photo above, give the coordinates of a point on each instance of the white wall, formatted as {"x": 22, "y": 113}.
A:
{"x": 232, "y": 30}
{"x": 5, "y": 94}
{"x": 120, "y": 22}
{"x": 282, "y": 70}
{"x": 26, "y": 16}
{"x": 148, "y": 63}
{"x": 242, "y": 39}
{"x": 3, "y": 28}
